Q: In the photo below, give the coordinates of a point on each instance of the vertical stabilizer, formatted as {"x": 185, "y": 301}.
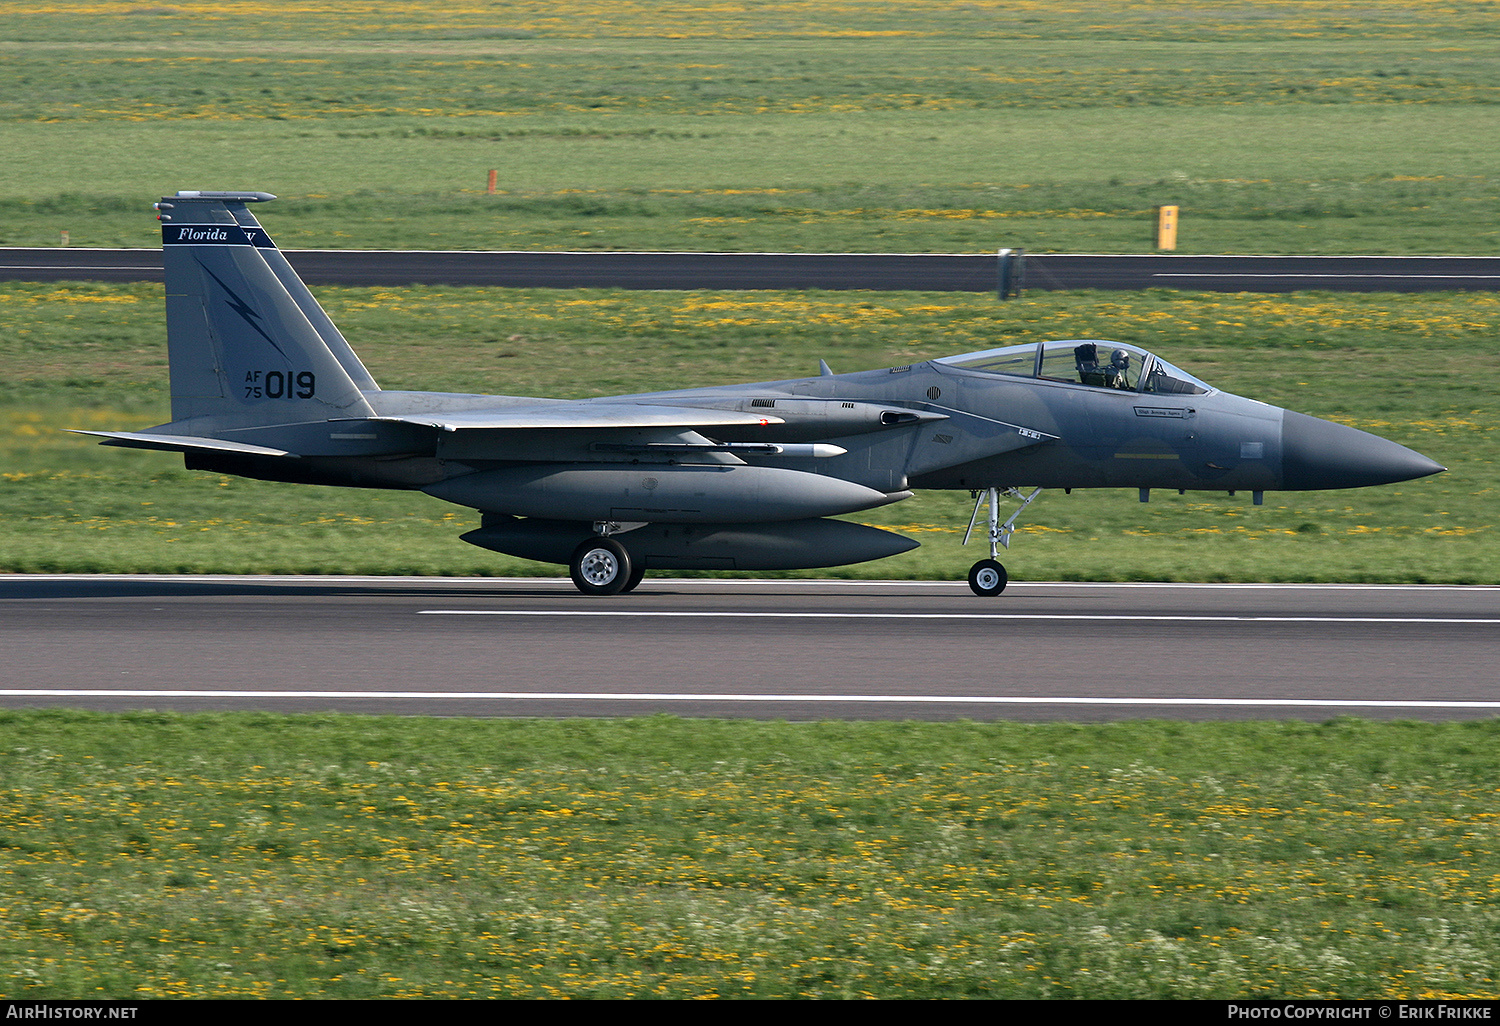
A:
{"x": 247, "y": 343}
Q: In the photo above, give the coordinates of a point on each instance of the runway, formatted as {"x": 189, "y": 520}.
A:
{"x": 741, "y": 648}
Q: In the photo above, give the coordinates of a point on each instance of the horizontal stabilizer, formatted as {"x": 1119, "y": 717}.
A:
{"x": 180, "y": 443}
{"x": 582, "y": 415}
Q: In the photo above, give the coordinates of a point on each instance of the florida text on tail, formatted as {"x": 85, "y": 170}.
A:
{"x": 739, "y": 477}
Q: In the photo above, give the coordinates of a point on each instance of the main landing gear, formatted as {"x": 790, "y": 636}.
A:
{"x": 602, "y": 566}
{"x": 988, "y": 576}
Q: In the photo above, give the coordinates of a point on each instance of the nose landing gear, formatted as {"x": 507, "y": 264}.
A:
{"x": 988, "y": 576}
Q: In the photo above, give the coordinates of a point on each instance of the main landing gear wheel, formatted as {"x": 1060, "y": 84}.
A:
{"x": 987, "y": 577}
{"x": 636, "y": 573}
{"x": 601, "y": 566}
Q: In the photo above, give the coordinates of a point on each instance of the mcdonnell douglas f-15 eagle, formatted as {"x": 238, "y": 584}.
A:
{"x": 738, "y": 477}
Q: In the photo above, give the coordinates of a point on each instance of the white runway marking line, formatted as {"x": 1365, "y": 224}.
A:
{"x": 620, "y": 696}
{"x": 1112, "y": 617}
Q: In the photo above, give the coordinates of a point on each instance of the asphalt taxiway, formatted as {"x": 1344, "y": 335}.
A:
{"x": 770, "y": 649}
{"x": 944, "y": 272}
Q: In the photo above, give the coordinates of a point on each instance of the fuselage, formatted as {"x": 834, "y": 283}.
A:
{"x": 967, "y": 429}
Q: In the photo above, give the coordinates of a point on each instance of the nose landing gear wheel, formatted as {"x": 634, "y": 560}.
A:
{"x": 987, "y": 577}
{"x": 600, "y": 566}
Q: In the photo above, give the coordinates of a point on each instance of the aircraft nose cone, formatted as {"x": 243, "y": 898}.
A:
{"x": 1319, "y": 454}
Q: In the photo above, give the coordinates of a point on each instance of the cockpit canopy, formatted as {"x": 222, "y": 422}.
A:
{"x": 1093, "y": 362}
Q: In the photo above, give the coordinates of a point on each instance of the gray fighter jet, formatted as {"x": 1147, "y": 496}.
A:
{"x": 742, "y": 477}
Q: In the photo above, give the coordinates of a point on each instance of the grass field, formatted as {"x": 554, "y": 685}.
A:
{"x": 836, "y": 126}
{"x": 160, "y": 856}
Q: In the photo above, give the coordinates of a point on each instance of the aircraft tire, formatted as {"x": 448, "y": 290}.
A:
{"x": 637, "y": 572}
{"x": 600, "y": 566}
{"x": 987, "y": 577}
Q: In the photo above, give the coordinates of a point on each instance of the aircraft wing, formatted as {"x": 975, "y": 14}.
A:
{"x": 180, "y": 443}
{"x": 581, "y": 415}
